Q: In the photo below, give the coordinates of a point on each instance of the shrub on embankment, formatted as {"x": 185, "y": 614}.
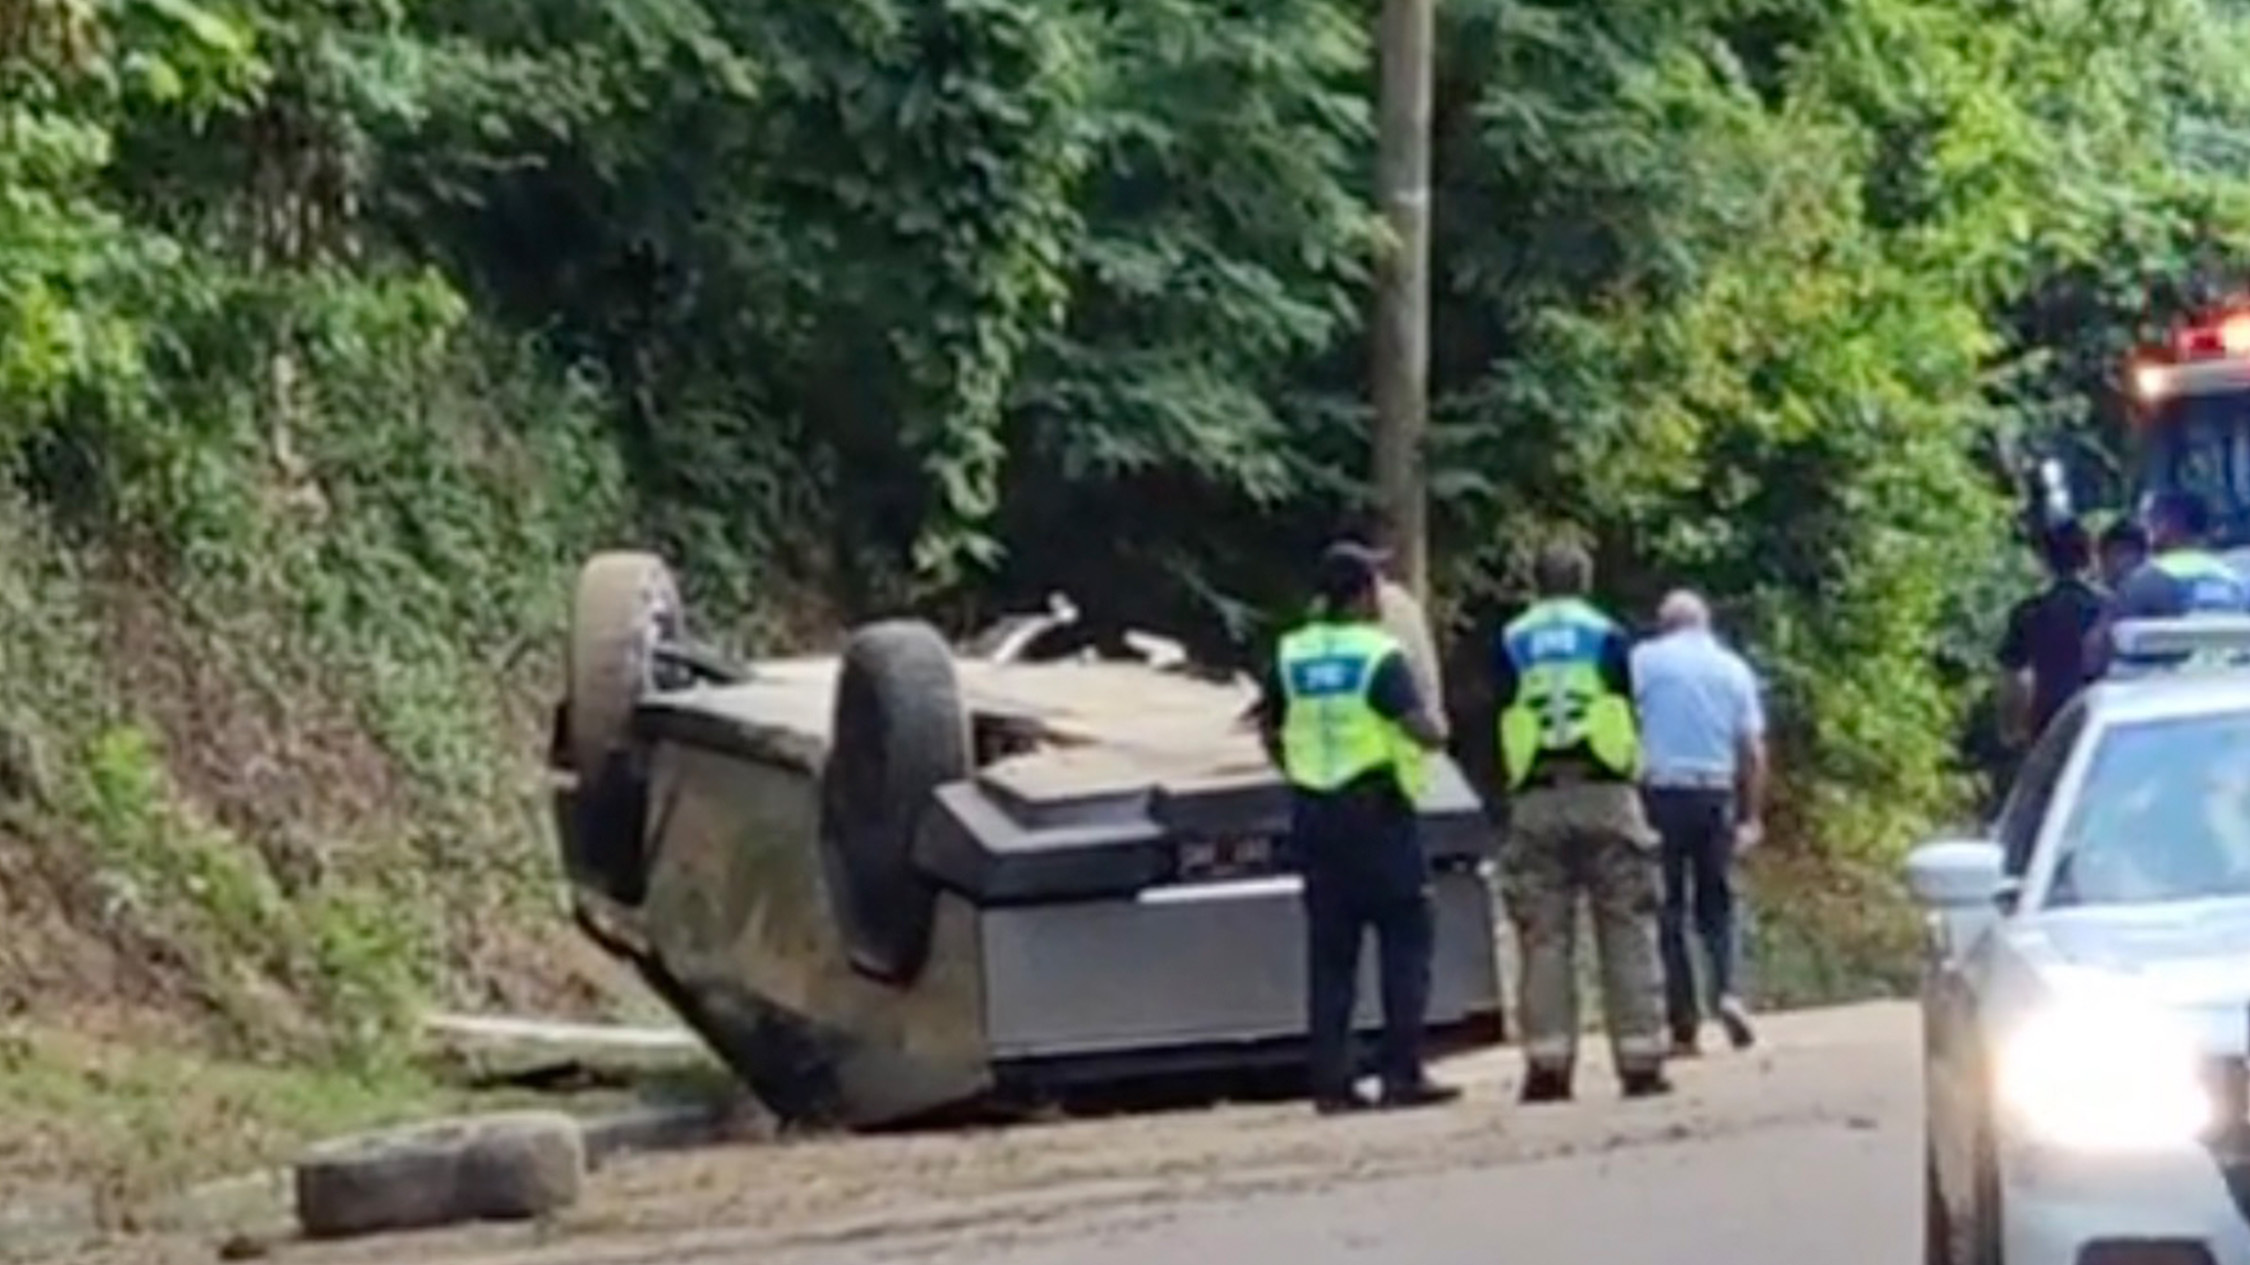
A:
{"x": 334, "y": 332}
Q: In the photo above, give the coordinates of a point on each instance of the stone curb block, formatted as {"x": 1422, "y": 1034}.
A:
{"x": 268, "y": 1205}
{"x": 509, "y": 1167}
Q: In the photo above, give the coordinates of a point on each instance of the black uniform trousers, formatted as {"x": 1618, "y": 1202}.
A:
{"x": 1364, "y": 870}
{"x": 1697, "y": 828}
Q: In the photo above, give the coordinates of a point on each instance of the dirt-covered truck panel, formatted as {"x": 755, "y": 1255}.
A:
{"x": 898, "y": 879}
{"x": 738, "y": 911}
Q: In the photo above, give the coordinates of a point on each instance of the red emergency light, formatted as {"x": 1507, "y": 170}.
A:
{"x": 2227, "y": 336}
{"x": 2218, "y": 335}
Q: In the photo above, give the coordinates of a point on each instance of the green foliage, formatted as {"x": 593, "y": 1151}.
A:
{"x": 274, "y": 497}
{"x": 184, "y": 882}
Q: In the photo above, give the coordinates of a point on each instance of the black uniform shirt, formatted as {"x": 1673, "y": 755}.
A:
{"x": 2047, "y": 634}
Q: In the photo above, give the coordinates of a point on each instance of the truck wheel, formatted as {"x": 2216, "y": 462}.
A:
{"x": 510, "y": 1167}
{"x": 1937, "y": 1227}
{"x": 1986, "y": 1238}
{"x": 900, "y": 733}
{"x": 1404, "y": 619}
{"x": 626, "y": 603}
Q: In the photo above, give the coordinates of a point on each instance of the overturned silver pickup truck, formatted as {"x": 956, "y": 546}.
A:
{"x": 911, "y": 878}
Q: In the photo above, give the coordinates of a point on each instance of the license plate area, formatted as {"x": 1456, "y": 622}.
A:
{"x": 1224, "y": 858}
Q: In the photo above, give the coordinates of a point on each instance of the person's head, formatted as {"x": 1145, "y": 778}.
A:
{"x": 2124, "y": 547}
{"x": 2065, "y": 549}
{"x": 1346, "y": 579}
{"x": 1682, "y": 609}
{"x": 2177, "y": 518}
{"x": 1562, "y": 569}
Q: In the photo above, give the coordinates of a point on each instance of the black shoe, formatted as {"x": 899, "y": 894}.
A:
{"x": 1546, "y": 1084}
{"x": 1644, "y": 1083}
{"x": 1346, "y": 1103}
{"x": 1686, "y": 1045}
{"x": 1421, "y": 1094}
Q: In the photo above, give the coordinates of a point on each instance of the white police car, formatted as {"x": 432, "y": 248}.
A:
{"x": 2086, "y": 1002}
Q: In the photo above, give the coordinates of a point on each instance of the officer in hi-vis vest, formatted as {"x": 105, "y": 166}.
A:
{"x": 2181, "y": 577}
{"x": 1347, "y": 725}
{"x": 1570, "y": 754}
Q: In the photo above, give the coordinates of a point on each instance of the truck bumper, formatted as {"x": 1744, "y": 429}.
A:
{"x": 2173, "y": 1207}
{"x": 1204, "y": 966}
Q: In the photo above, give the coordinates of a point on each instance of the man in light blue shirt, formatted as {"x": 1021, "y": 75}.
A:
{"x": 1703, "y": 775}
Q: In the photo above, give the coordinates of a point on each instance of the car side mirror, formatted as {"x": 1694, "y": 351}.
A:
{"x": 1955, "y": 874}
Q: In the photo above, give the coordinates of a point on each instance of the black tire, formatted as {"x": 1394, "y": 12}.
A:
{"x": 1982, "y": 1239}
{"x": 626, "y": 602}
{"x": 899, "y": 733}
{"x": 1937, "y": 1226}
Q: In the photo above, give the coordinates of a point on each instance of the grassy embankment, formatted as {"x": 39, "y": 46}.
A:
{"x": 269, "y": 769}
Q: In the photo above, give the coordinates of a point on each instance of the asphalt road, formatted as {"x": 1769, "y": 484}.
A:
{"x": 1803, "y": 1149}
{"x": 1792, "y": 1194}
{"x": 1722, "y": 1181}
{"x": 1837, "y": 1194}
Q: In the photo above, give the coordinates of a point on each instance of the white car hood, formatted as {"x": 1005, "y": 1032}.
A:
{"x": 2190, "y": 956}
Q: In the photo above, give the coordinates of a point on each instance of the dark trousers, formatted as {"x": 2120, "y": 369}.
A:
{"x": 1697, "y": 828}
{"x": 1363, "y": 872}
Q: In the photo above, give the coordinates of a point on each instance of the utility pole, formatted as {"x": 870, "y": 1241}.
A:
{"x": 1402, "y": 288}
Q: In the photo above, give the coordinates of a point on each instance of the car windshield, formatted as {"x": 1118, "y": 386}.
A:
{"x": 2201, "y": 444}
{"x": 2163, "y": 815}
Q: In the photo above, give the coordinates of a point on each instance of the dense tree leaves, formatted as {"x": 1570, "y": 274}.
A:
{"x": 956, "y": 300}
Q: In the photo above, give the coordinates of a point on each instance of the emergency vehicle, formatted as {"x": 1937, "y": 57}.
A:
{"x": 2086, "y": 991}
{"x": 2187, "y": 414}
{"x": 2085, "y": 999}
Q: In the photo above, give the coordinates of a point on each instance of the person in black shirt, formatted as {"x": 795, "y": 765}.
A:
{"x": 2042, "y": 655}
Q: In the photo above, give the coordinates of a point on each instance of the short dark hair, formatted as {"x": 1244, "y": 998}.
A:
{"x": 2066, "y": 548}
{"x": 1562, "y": 569}
{"x": 2125, "y": 534}
{"x": 2186, "y": 512}
{"x": 1347, "y": 572}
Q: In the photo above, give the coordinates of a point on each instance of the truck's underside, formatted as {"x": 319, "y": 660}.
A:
{"x": 901, "y": 881}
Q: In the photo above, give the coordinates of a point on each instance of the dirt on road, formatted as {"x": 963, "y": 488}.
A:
{"x": 993, "y": 1190}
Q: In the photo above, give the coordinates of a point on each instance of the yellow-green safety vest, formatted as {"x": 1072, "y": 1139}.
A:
{"x": 1563, "y": 702}
{"x": 1331, "y": 732}
{"x": 2206, "y": 583}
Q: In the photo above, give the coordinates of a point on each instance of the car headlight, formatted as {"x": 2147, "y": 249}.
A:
{"x": 2106, "y": 1077}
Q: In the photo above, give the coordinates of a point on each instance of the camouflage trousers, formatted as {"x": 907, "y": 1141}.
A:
{"x": 1592, "y": 838}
